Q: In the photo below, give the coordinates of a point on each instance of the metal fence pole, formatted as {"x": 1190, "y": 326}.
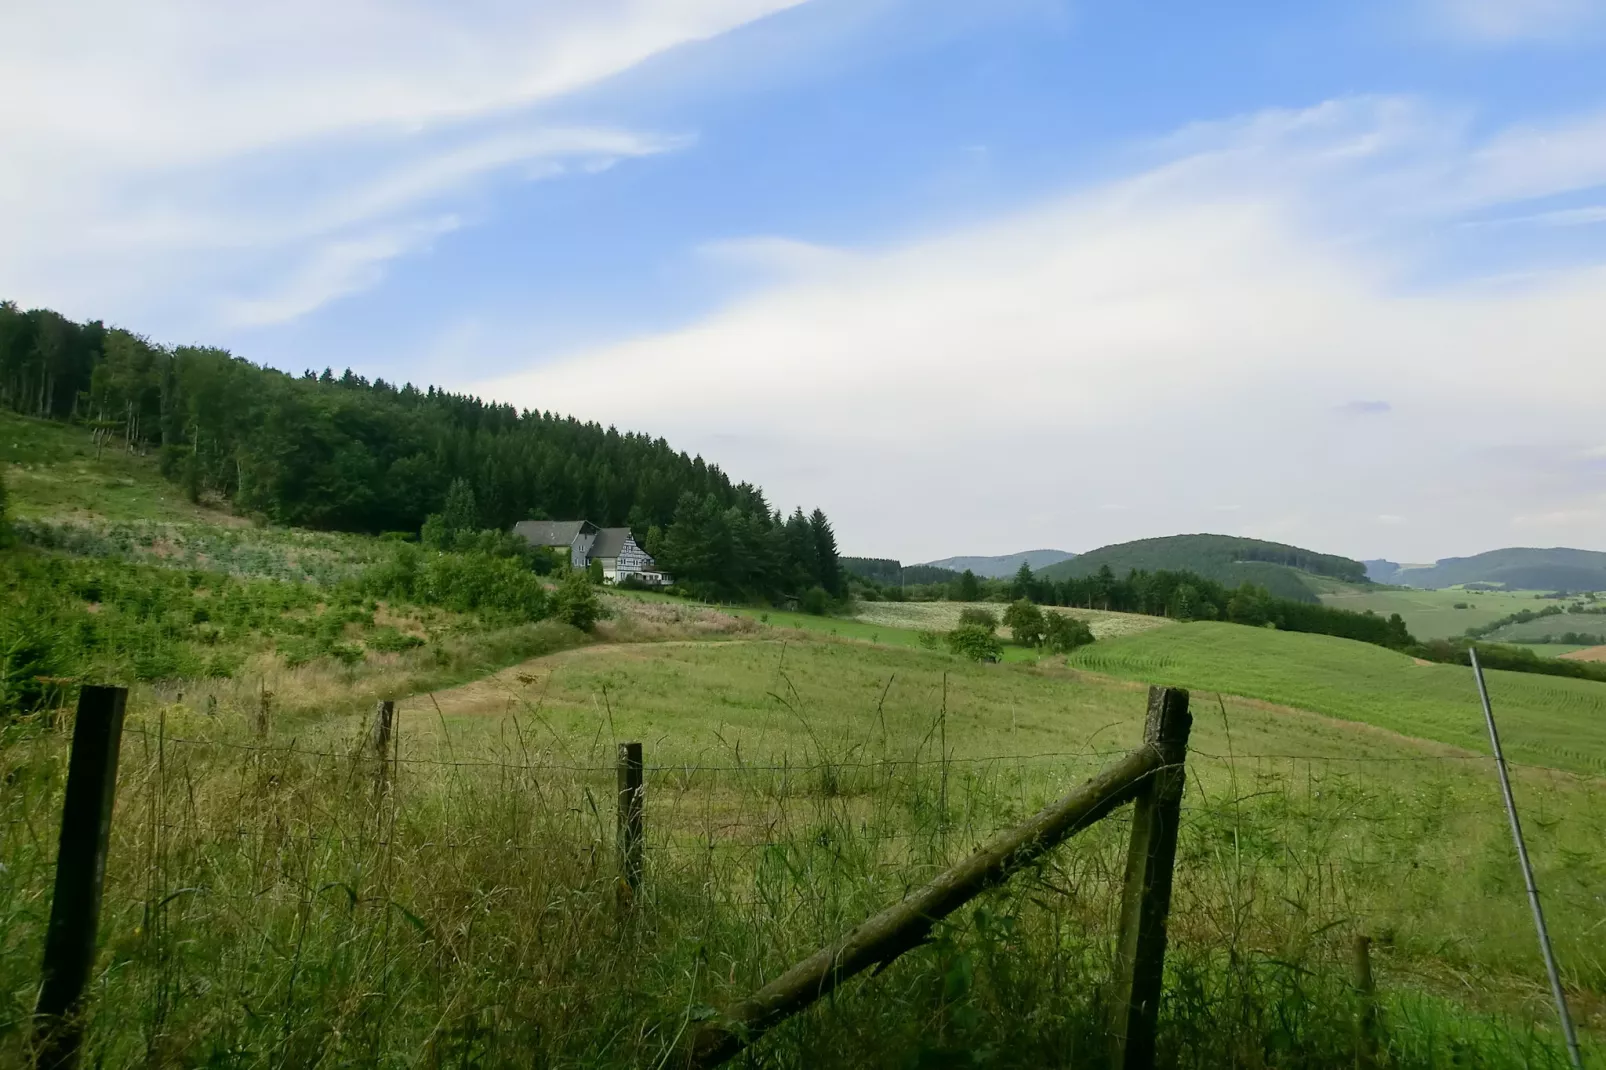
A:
{"x": 86, "y": 822}
{"x": 1567, "y": 1030}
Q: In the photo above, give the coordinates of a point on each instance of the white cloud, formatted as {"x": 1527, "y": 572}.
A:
{"x": 1183, "y": 337}
{"x": 339, "y": 267}
{"x": 1502, "y": 21}
{"x": 295, "y": 133}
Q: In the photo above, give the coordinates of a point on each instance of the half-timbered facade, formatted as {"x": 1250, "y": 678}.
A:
{"x": 615, "y": 549}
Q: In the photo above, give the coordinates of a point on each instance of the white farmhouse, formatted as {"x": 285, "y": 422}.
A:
{"x": 616, "y": 549}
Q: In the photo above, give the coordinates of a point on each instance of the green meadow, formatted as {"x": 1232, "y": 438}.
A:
{"x": 1546, "y": 721}
{"x": 285, "y": 899}
{"x": 1440, "y": 614}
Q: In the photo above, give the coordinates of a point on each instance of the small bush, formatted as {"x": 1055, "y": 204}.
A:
{"x": 1025, "y": 622}
{"x": 577, "y": 604}
{"x": 975, "y": 616}
{"x": 1063, "y": 633}
{"x": 976, "y": 643}
{"x": 388, "y": 640}
{"x": 816, "y": 601}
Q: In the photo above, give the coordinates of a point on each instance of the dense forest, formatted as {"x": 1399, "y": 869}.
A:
{"x": 346, "y": 453}
{"x": 1223, "y": 558}
{"x": 892, "y": 573}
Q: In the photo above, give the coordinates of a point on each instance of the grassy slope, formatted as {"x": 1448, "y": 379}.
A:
{"x": 1452, "y": 901}
{"x": 1544, "y": 720}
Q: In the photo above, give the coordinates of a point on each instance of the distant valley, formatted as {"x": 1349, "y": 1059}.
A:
{"x": 1515, "y": 568}
{"x": 1004, "y": 565}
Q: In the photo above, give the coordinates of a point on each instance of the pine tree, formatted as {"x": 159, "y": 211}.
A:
{"x": 460, "y": 514}
{"x": 830, "y": 566}
{"x": 969, "y": 587}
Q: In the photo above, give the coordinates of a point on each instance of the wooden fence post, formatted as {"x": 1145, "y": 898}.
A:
{"x": 264, "y": 704}
{"x": 1366, "y": 996}
{"x": 86, "y": 822}
{"x": 630, "y": 821}
{"x": 384, "y": 716}
{"x": 1146, "y": 898}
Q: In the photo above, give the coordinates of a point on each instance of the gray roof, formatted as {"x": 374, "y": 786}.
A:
{"x": 552, "y": 532}
{"x": 609, "y": 542}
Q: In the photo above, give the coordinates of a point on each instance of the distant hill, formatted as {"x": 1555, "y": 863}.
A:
{"x": 1284, "y": 570}
{"x": 1519, "y": 568}
{"x": 1005, "y": 565}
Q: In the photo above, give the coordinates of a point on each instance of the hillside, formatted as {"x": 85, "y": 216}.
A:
{"x": 1517, "y": 568}
{"x": 1282, "y": 569}
{"x": 1005, "y": 564}
{"x": 1545, "y": 720}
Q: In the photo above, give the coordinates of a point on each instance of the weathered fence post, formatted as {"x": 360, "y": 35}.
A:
{"x": 630, "y": 821}
{"x": 384, "y": 716}
{"x": 264, "y": 704}
{"x": 1146, "y": 898}
{"x": 86, "y": 821}
{"x": 1366, "y": 995}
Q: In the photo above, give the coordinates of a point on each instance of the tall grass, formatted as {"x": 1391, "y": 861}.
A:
{"x": 301, "y": 903}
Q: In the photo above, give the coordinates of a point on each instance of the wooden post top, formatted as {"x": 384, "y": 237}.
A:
{"x": 1168, "y": 722}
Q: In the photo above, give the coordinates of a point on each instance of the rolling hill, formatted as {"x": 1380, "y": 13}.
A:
{"x": 1517, "y": 568}
{"x": 1286, "y": 571}
{"x": 1005, "y": 564}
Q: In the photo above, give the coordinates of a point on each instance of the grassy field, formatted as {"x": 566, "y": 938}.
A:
{"x": 943, "y": 616}
{"x": 1433, "y": 614}
{"x": 905, "y": 624}
{"x": 1545, "y": 720}
{"x": 276, "y": 902}
{"x": 465, "y": 915}
{"x": 1534, "y": 631}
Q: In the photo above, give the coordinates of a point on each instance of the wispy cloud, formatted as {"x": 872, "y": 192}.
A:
{"x": 1366, "y": 408}
{"x": 1504, "y": 21}
{"x": 186, "y": 144}
{"x": 1184, "y": 330}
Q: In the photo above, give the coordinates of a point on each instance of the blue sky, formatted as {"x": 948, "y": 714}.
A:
{"x": 972, "y": 277}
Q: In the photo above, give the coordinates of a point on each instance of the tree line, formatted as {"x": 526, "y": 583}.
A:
{"x": 346, "y": 453}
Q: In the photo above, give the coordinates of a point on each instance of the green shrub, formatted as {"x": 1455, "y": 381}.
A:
{"x": 977, "y": 617}
{"x": 976, "y": 643}
{"x": 1025, "y": 622}
{"x": 577, "y": 603}
{"x": 1063, "y": 633}
{"x": 388, "y": 640}
{"x": 815, "y": 600}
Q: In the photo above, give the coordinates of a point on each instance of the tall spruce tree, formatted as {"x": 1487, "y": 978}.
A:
{"x": 827, "y": 560}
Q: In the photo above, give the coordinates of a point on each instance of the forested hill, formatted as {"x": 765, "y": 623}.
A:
{"x": 1224, "y": 558}
{"x": 1518, "y": 568}
{"x": 341, "y": 452}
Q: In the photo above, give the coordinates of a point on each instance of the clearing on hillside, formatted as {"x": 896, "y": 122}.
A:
{"x": 55, "y": 470}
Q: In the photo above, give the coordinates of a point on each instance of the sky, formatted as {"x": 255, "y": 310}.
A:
{"x": 973, "y": 277}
